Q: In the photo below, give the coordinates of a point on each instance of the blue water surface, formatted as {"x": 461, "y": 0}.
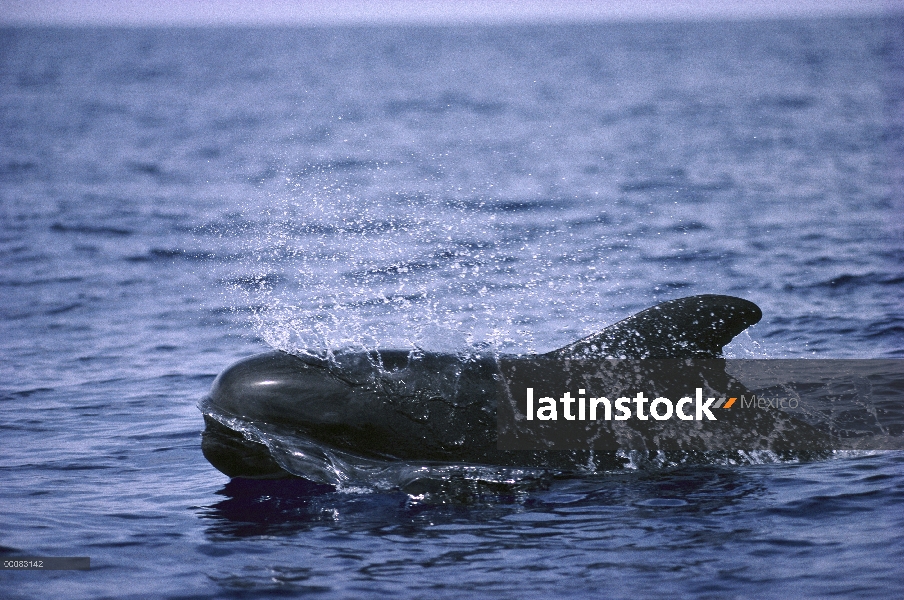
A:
{"x": 172, "y": 200}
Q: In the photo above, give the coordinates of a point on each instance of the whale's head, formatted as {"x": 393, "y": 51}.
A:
{"x": 269, "y": 388}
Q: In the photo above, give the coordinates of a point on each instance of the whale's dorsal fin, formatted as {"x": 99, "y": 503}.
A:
{"x": 693, "y": 327}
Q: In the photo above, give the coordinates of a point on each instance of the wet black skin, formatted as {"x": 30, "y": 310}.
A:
{"x": 411, "y": 405}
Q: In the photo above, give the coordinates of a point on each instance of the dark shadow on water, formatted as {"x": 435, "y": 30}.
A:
{"x": 255, "y": 507}
{"x": 285, "y": 507}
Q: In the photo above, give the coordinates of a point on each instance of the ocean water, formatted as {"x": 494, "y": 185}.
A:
{"x": 172, "y": 200}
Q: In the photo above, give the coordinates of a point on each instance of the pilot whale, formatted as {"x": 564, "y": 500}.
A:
{"x": 383, "y": 406}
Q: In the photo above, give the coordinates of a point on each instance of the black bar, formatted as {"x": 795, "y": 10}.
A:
{"x": 790, "y": 407}
{"x": 46, "y": 563}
